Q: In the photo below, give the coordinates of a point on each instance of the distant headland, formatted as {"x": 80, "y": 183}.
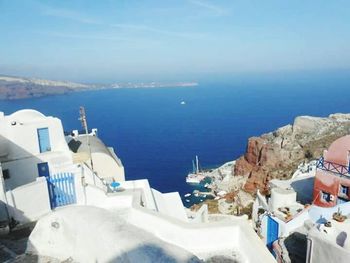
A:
{"x": 12, "y": 88}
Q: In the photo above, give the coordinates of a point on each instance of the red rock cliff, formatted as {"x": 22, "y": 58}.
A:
{"x": 277, "y": 154}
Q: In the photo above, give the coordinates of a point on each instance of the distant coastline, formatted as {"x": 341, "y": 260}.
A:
{"x": 12, "y": 88}
{"x": 148, "y": 85}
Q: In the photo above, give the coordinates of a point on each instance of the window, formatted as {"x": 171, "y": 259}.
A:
{"x": 44, "y": 140}
{"x": 6, "y": 174}
{"x": 344, "y": 190}
{"x": 326, "y": 197}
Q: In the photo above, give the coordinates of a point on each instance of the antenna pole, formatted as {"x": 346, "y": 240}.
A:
{"x": 85, "y": 127}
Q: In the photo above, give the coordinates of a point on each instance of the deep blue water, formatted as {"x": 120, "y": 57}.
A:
{"x": 156, "y": 137}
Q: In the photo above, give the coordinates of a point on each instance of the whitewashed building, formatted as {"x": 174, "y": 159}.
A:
{"x": 88, "y": 213}
{"x": 31, "y": 145}
{"x": 37, "y": 162}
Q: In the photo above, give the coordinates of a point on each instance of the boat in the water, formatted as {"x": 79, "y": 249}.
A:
{"x": 197, "y": 175}
{"x": 187, "y": 195}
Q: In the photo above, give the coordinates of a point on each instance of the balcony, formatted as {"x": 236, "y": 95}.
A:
{"x": 332, "y": 167}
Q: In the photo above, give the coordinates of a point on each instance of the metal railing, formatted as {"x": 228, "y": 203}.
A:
{"x": 332, "y": 167}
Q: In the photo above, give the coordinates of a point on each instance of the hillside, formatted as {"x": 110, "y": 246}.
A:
{"x": 277, "y": 154}
{"x": 19, "y": 88}
{"x": 12, "y": 88}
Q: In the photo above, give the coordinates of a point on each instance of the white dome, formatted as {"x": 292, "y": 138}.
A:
{"x": 25, "y": 115}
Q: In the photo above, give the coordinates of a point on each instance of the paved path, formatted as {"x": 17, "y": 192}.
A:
{"x": 14, "y": 245}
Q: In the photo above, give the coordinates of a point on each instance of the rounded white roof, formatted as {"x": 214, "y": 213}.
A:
{"x": 26, "y": 114}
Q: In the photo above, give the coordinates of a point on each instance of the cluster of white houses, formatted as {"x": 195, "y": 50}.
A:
{"x": 74, "y": 186}
{"x": 314, "y": 202}
{"x": 50, "y": 177}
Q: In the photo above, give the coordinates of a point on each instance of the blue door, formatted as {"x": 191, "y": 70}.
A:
{"x": 272, "y": 231}
{"x": 43, "y": 169}
{"x": 44, "y": 140}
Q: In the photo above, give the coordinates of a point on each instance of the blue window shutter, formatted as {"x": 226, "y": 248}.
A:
{"x": 43, "y": 169}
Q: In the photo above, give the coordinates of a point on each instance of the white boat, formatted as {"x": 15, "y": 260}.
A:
{"x": 196, "y": 176}
{"x": 187, "y": 195}
{"x": 183, "y": 102}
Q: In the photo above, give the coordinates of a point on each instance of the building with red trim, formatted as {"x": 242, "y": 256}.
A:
{"x": 332, "y": 180}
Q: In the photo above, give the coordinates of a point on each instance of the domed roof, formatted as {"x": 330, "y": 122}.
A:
{"x": 27, "y": 114}
{"x": 338, "y": 151}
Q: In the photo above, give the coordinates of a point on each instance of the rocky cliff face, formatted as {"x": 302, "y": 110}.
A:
{"x": 277, "y": 154}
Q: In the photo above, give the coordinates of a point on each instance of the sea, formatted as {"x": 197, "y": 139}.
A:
{"x": 157, "y": 137}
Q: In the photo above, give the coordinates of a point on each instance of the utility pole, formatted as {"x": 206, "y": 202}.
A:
{"x": 85, "y": 127}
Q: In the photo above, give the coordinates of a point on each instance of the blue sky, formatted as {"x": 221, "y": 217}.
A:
{"x": 181, "y": 39}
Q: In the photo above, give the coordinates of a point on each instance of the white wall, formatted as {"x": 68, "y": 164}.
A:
{"x": 263, "y": 232}
{"x": 322, "y": 250}
{"x": 98, "y": 198}
{"x": 95, "y": 191}
{"x": 201, "y": 216}
{"x": 285, "y": 228}
{"x": 320, "y": 214}
{"x": 281, "y": 197}
{"x": 22, "y": 138}
{"x": 106, "y": 166}
{"x": 90, "y": 234}
{"x": 21, "y": 172}
{"x": 19, "y": 144}
{"x": 200, "y": 239}
{"x": 147, "y": 196}
{"x": 29, "y": 202}
{"x": 204, "y": 239}
{"x": 121, "y": 171}
{"x": 295, "y": 223}
{"x": 3, "y": 208}
{"x": 25, "y": 170}
{"x": 170, "y": 204}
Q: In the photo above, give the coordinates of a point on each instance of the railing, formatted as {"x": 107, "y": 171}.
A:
{"x": 95, "y": 179}
{"x": 332, "y": 167}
